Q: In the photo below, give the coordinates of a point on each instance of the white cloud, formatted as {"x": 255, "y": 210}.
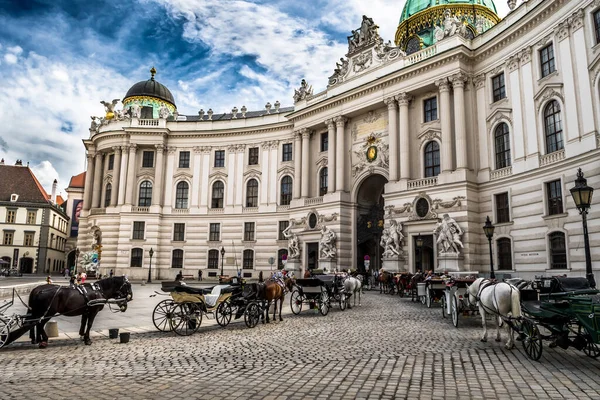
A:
{"x": 10, "y": 58}
{"x": 46, "y": 174}
{"x": 14, "y": 49}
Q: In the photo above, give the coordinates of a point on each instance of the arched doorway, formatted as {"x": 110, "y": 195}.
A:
{"x": 370, "y": 221}
{"x": 26, "y": 265}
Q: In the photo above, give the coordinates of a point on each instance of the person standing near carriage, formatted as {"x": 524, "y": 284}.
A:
{"x": 199, "y": 274}
{"x": 111, "y": 273}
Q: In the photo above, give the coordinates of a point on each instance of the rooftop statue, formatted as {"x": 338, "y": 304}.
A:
{"x": 303, "y": 91}
{"x": 366, "y": 34}
{"x": 110, "y": 108}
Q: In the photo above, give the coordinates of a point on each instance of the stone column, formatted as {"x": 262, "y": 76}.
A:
{"x": 305, "y": 162}
{"x": 273, "y": 164}
{"x": 169, "y": 176}
{"x": 530, "y": 126}
{"x": 403, "y": 101}
{"x": 89, "y": 176}
{"x": 565, "y": 66}
{"x": 265, "y": 149}
{"x": 460, "y": 127}
{"x": 330, "y": 155}
{"x": 581, "y": 71}
{"x": 230, "y": 188}
{"x": 158, "y": 176}
{"x": 517, "y": 145}
{"x": 297, "y": 164}
{"x": 484, "y": 154}
{"x": 131, "y": 184}
{"x": 446, "y": 124}
{"x": 340, "y": 170}
{"x": 205, "y": 191}
{"x": 123, "y": 175}
{"x": 114, "y": 195}
{"x": 239, "y": 176}
{"x": 195, "y": 189}
{"x": 97, "y": 190}
{"x": 393, "y": 137}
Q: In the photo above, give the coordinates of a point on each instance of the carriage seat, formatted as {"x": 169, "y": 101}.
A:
{"x": 572, "y": 284}
{"x": 211, "y": 299}
{"x": 192, "y": 290}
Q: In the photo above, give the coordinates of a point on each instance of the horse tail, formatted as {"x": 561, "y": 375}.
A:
{"x": 515, "y": 298}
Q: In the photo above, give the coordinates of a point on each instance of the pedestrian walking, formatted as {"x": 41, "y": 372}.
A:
{"x": 111, "y": 273}
{"x": 49, "y": 280}
{"x": 66, "y": 271}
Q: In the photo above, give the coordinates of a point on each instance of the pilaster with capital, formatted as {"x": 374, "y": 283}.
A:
{"x": 331, "y": 156}
{"x": 195, "y": 189}
{"x": 114, "y": 195}
{"x": 393, "y": 137}
{"x": 123, "y": 175}
{"x": 131, "y": 166}
{"x": 562, "y": 31}
{"x": 512, "y": 63}
{"x": 404, "y": 100}
{"x": 446, "y": 124}
{"x": 158, "y": 175}
{"x": 576, "y": 20}
{"x": 98, "y": 172}
{"x": 525, "y": 55}
{"x": 168, "y": 187}
{"x": 305, "y": 185}
{"x": 479, "y": 81}
{"x": 460, "y": 126}
{"x": 340, "y": 165}
{"x": 89, "y": 176}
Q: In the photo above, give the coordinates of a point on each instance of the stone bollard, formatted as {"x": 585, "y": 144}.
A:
{"x": 52, "y": 329}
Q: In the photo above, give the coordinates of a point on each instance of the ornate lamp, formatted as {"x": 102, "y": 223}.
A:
{"x": 488, "y": 228}
{"x": 150, "y": 268}
{"x": 222, "y": 257}
{"x": 582, "y": 195}
{"x": 419, "y": 243}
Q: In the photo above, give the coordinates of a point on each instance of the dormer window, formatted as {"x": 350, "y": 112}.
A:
{"x": 14, "y": 197}
{"x": 147, "y": 112}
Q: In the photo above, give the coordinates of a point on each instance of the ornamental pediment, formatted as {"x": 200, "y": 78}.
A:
{"x": 547, "y": 92}
{"x": 218, "y": 174}
{"x": 500, "y": 113}
{"x": 286, "y": 169}
{"x": 252, "y": 173}
{"x": 183, "y": 174}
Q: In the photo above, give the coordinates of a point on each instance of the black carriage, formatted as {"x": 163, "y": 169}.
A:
{"x": 334, "y": 283}
{"x": 311, "y": 291}
{"x": 431, "y": 290}
{"x": 13, "y": 326}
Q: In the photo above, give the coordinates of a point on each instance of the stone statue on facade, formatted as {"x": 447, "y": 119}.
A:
{"x": 122, "y": 114}
{"x": 136, "y": 111}
{"x": 303, "y": 91}
{"x": 448, "y": 235}
{"x": 450, "y": 26}
{"x": 96, "y": 122}
{"x": 163, "y": 112}
{"x": 109, "y": 108}
{"x": 367, "y": 33}
{"x": 293, "y": 242}
{"x": 327, "y": 243}
{"x": 391, "y": 239}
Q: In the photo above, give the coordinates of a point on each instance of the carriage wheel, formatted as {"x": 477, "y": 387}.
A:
{"x": 591, "y": 349}
{"x": 343, "y": 301}
{"x": 454, "y": 310}
{"x": 423, "y": 300}
{"x": 429, "y": 297}
{"x": 161, "y": 315}
{"x": 324, "y": 302}
{"x": 4, "y": 331}
{"x": 532, "y": 344}
{"x": 401, "y": 290}
{"x": 252, "y": 315}
{"x": 443, "y": 300}
{"x": 186, "y": 318}
{"x": 296, "y": 302}
{"x": 223, "y": 314}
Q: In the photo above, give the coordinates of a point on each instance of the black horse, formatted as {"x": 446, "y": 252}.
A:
{"x": 48, "y": 300}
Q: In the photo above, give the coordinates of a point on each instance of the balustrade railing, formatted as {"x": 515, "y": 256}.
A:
{"x": 137, "y": 209}
{"x": 420, "y": 183}
{"x": 313, "y": 200}
{"x": 147, "y": 122}
{"x": 501, "y": 173}
{"x": 552, "y": 157}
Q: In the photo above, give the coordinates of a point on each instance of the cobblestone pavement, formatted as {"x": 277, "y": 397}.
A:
{"x": 388, "y": 348}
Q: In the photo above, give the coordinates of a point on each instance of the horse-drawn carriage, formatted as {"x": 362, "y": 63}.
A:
{"x": 318, "y": 292}
{"x": 404, "y": 283}
{"x": 456, "y": 300}
{"x": 183, "y": 312}
{"x": 431, "y": 290}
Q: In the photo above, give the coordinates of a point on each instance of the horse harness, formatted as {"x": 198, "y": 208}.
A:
{"x": 484, "y": 285}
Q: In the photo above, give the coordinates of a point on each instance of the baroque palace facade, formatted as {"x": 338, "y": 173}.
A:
{"x": 465, "y": 115}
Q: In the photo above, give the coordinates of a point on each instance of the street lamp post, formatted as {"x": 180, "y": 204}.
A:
{"x": 582, "y": 195}
{"x": 419, "y": 243}
{"x": 488, "y": 228}
{"x": 150, "y": 269}
{"x": 222, "y": 257}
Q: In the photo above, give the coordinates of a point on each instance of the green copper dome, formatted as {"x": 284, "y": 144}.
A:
{"x": 415, "y": 6}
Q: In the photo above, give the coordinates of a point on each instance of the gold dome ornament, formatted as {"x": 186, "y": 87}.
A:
{"x": 109, "y": 108}
{"x": 371, "y": 153}
{"x": 153, "y": 72}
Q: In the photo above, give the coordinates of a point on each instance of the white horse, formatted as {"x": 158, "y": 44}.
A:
{"x": 352, "y": 286}
{"x": 498, "y": 299}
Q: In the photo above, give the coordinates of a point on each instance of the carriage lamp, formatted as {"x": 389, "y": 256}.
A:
{"x": 222, "y": 257}
{"x": 150, "y": 269}
{"x": 488, "y": 228}
{"x": 582, "y": 195}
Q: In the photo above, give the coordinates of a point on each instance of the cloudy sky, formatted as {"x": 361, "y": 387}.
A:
{"x": 60, "y": 58}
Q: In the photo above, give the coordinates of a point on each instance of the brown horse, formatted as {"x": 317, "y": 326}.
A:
{"x": 386, "y": 282}
{"x": 48, "y": 300}
{"x": 273, "y": 292}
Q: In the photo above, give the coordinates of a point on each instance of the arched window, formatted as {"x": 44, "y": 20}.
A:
{"x": 502, "y": 140}
{"x": 181, "y": 195}
{"x": 136, "y": 258}
{"x": 432, "y": 159}
{"x": 252, "y": 193}
{"x": 286, "y": 191}
{"x": 558, "y": 251}
{"x": 280, "y": 254}
{"x": 107, "y": 194}
{"x": 323, "y": 181}
{"x": 553, "y": 127}
{"x": 177, "y": 259}
{"x": 413, "y": 45}
{"x": 218, "y": 191}
{"x": 248, "y": 259}
{"x": 145, "y": 194}
{"x": 213, "y": 259}
{"x": 504, "y": 254}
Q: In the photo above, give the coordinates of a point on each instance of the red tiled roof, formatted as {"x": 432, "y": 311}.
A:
{"x": 78, "y": 181}
{"x": 22, "y": 181}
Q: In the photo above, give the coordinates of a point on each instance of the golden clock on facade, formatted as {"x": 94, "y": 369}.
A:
{"x": 371, "y": 153}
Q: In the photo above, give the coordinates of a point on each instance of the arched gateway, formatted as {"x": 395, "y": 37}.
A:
{"x": 369, "y": 221}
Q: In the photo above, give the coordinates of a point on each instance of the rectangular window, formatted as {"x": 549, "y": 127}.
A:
{"x": 220, "y": 158}
{"x": 136, "y": 257}
{"x": 547, "y": 60}
{"x": 8, "y": 238}
{"x": 282, "y": 227}
{"x": 248, "y": 262}
{"x": 31, "y": 217}
{"x": 28, "y": 239}
{"x": 253, "y": 156}
{"x": 111, "y": 162}
{"x": 215, "y": 232}
{"x": 178, "y": 232}
{"x": 249, "y": 231}
{"x": 430, "y": 109}
{"x": 554, "y": 196}
{"x": 324, "y": 141}
{"x": 499, "y": 87}
{"x": 177, "y": 259}
{"x": 287, "y": 152}
{"x": 138, "y": 230}
{"x": 504, "y": 254}
{"x": 597, "y": 25}
{"x": 502, "y": 211}
{"x": 11, "y": 215}
{"x": 147, "y": 159}
{"x": 184, "y": 159}
{"x": 213, "y": 259}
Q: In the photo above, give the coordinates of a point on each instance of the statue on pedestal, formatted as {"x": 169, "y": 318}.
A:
{"x": 391, "y": 240}
{"x": 293, "y": 242}
{"x": 448, "y": 235}
{"x": 327, "y": 243}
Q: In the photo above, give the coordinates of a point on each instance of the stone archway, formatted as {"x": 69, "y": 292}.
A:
{"x": 369, "y": 220}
